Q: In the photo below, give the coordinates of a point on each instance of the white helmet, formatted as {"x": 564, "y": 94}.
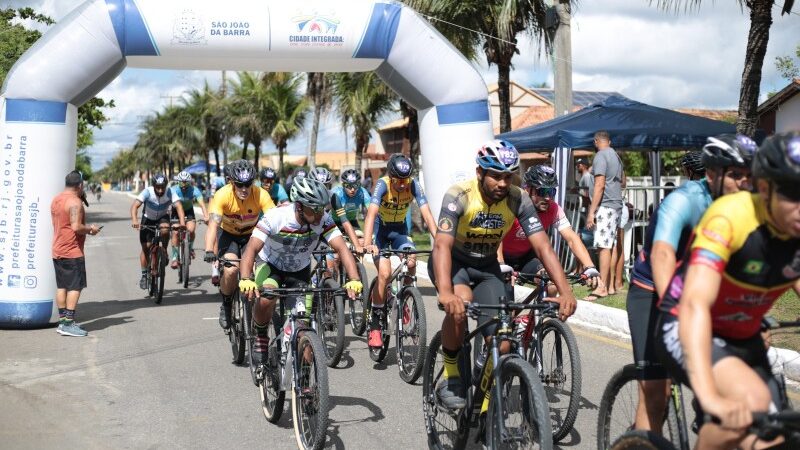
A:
{"x": 183, "y": 177}
{"x": 322, "y": 174}
{"x": 310, "y": 192}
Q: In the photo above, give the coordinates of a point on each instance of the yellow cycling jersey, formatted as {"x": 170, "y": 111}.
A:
{"x": 239, "y": 217}
{"x": 479, "y": 227}
{"x": 393, "y": 205}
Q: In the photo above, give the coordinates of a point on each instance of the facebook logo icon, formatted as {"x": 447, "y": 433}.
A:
{"x": 13, "y": 281}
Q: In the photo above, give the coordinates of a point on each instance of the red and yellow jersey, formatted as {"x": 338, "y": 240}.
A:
{"x": 757, "y": 264}
{"x": 239, "y": 217}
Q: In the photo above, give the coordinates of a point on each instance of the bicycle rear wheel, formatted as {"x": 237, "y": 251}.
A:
{"x": 250, "y": 338}
{"x": 411, "y": 335}
{"x": 331, "y": 322}
{"x": 446, "y": 429}
{"x": 525, "y": 415}
{"x": 236, "y": 334}
{"x": 560, "y": 373}
{"x": 186, "y": 260}
{"x": 358, "y": 321}
{"x": 310, "y": 402}
{"x": 162, "y": 265}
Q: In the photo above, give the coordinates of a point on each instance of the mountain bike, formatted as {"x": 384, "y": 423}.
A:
{"x": 184, "y": 253}
{"x": 617, "y": 413}
{"x": 236, "y": 327}
{"x": 551, "y": 347}
{"x": 517, "y": 417}
{"x": 157, "y": 263}
{"x": 329, "y": 319}
{"x": 295, "y": 363}
{"x": 403, "y": 313}
{"x": 358, "y": 322}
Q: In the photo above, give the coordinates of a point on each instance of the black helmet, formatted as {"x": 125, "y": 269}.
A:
{"x": 159, "y": 180}
{"x": 541, "y": 176}
{"x": 729, "y": 150}
{"x": 398, "y": 166}
{"x": 242, "y": 171}
{"x": 778, "y": 160}
{"x": 268, "y": 173}
{"x": 694, "y": 162}
{"x": 350, "y": 176}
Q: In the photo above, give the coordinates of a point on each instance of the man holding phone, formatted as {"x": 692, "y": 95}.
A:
{"x": 69, "y": 234}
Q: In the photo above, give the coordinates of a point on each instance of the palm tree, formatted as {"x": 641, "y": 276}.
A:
{"x": 361, "y": 99}
{"x": 757, "y": 40}
{"x": 250, "y": 115}
{"x": 287, "y": 109}
{"x": 318, "y": 91}
{"x": 499, "y": 22}
{"x": 208, "y": 109}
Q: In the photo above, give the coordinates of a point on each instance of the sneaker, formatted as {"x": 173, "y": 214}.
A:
{"x": 174, "y": 263}
{"x": 375, "y": 339}
{"x": 71, "y": 329}
{"x": 260, "y": 348}
{"x": 143, "y": 281}
{"x": 225, "y": 315}
{"x": 452, "y": 393}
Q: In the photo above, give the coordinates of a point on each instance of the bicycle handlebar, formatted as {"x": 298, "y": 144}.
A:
{"x": 387, "y": 252}
{"x": 536, "y": 278}
{"x": 228, "y": 262}
{"x": 283, "y": 292}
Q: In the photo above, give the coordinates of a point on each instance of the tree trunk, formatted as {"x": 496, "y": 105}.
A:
{"x": 257, "y": 152}
{"x": 244, "y": 149}
{"x": 362, "y": 142}
{"x": 312, "y": 144}
{"x": 757, "y": 40}
{"x": 503, "y": 95}
{"x": 216, "y": 159}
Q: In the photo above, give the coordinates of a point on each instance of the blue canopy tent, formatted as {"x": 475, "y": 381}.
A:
{"x": 199, "y": 168}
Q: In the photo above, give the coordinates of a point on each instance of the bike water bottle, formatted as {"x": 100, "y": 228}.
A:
{"x": 300, "y": 305}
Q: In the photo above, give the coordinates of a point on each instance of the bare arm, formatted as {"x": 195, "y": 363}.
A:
{"x": 500, "y": 257}
{"x": 662, "y": 261}
{"x": 348, "y": 261}
{"x": 181, "y": 215}
{"x": 541, "y": 245}
{"x": 203, "y": 207}
{"x": 135, "y": 213}
{"x": 425, "y": 210}
{"x": 211, "y": 232}
{"x": 597, "y": 195}
{"x": 369, "y": 223}
{"x": 443, "y": 263}
{"x": 76, "y": 214}
{"x": 254, "y": 245}
{"x": 351, "y": 233}
{"x": 576, "y": 245}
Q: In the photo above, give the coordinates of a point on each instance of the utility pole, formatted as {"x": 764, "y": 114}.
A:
{"x": 562, "y": 56}
{"x": 171, "y": 98}
{"x": 224, "y": 91}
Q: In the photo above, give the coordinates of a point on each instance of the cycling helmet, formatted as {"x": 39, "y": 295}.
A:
{"x": 242, "y": 171}
{"x": 310, "y": 192}
{"x": 398, "y": 166}
{"x": 541, "y": 176}
{"x": 694, "y": 162}
{"x": 350, "y": 176}
{"x": 268, "y": 173}
{"x": 498, "y": 155}
{"x": 300, "y": 173}
{"x": 159, "y": 180}
{"x": 322, "y": 174}
{"x": 778, "y": 160}
{"x": 183, "y": 177}
{"x": 226, "y": 172}
{"x": 729, "y": 150}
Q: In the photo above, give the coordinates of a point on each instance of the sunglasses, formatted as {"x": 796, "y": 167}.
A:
{"x": 242, "y": 185}
{"x": 401, "y": 180}
{"x": 737, "y": 175}
{"x": 546, "y": 192}
{"x": 793, "y": 195}
{"x": 351, "y": 185}
{"x": 313, "y": 211}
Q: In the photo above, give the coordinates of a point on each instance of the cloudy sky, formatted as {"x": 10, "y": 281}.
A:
{"x": 674, "y": 60}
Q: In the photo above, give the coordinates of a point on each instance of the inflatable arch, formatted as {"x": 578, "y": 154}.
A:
{"x": 91, "y": 46}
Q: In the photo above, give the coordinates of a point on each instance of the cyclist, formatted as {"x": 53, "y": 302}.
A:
{"x": 298, "y": 173}
{"x": 157, "y": 200}
{"x": 541, "y": 183}
{"x": 386, "y": 214}
{"x": 269, "y": 182}
{"x": 745, "y": 254}
{"x": 346, "y": 201}
{"x": 324, "y": 176}
{"x": 726, "y": 161}
{"x": 187, "y": 192}
{"x": 235, "y": 208}
{"x": 693, "y": 167}
{"x": 475, "y": 216}
{"x": 280, "y": 249}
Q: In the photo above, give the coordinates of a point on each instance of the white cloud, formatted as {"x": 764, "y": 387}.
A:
{"x": 687, "y": 59}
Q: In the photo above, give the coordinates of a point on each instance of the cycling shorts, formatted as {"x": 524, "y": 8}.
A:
{"x": 187, "y": 214}
{"x": 486, "y": 282}
{"x": 642, "y": 317}
{"x": 267, "y": 275}
{"x": 145, "y": 235}
{"x": 231, "y": 243}
{"x": 527, "y": 263}
{"x": 394, "y": 237}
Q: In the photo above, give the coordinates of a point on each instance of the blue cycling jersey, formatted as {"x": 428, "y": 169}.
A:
{"x": 187, "y": 198}
{"x": 278, "y": 194}
{"x": 672, "y": 223}
{"x": 346, "y": 208}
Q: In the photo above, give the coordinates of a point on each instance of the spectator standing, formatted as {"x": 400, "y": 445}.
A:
{"x": 585, "y": 180}
{"x": 605, "y": 208}
{"x": 367, "y": 181}
{"x": 69, "y": 234}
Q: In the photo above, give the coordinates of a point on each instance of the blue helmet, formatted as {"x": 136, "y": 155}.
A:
{"x": 498, "y": 155}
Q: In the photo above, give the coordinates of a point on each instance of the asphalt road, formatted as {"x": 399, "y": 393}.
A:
{"x": 160, "y": 376}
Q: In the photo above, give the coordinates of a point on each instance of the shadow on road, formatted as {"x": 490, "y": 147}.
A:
{"x": 93, "y": 311}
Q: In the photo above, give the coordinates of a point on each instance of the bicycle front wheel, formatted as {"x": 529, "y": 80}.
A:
{"x": 310, "y": 402}
{"x": 236, "y": 334}
{"x": 411, "y": 335}
{"x": 270, "y": 389}
{"x": 525, "y": 416}
{"x": 358, "y": 321}
{"x": 441, "y": 423}
{"x": 162, "y": 265}
{"x": 560, "y": 372}
{"x": 185, "y": 261}
{"x": 330, "y": 320}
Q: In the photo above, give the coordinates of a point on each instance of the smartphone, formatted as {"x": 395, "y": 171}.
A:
{"x": 100, "y": 227}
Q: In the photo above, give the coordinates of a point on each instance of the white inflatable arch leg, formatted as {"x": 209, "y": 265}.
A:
{"x": 90, "y": 47}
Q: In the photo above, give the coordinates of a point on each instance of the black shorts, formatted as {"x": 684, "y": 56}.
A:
{"x": 750, "y": 350}
{"x": 642, "y": 318}
{"x": 70, "y": 273}
{"x": 527, "y": 263}
{"x": 231, "y": 243}
{"x": 145, "y": 235}
{"x": 487, "y": 281}
{"x": 188, "y": 215}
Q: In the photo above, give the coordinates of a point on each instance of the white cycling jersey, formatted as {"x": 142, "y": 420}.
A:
{"x": 156, "y": 207}
{"x": 287, "y": 244}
